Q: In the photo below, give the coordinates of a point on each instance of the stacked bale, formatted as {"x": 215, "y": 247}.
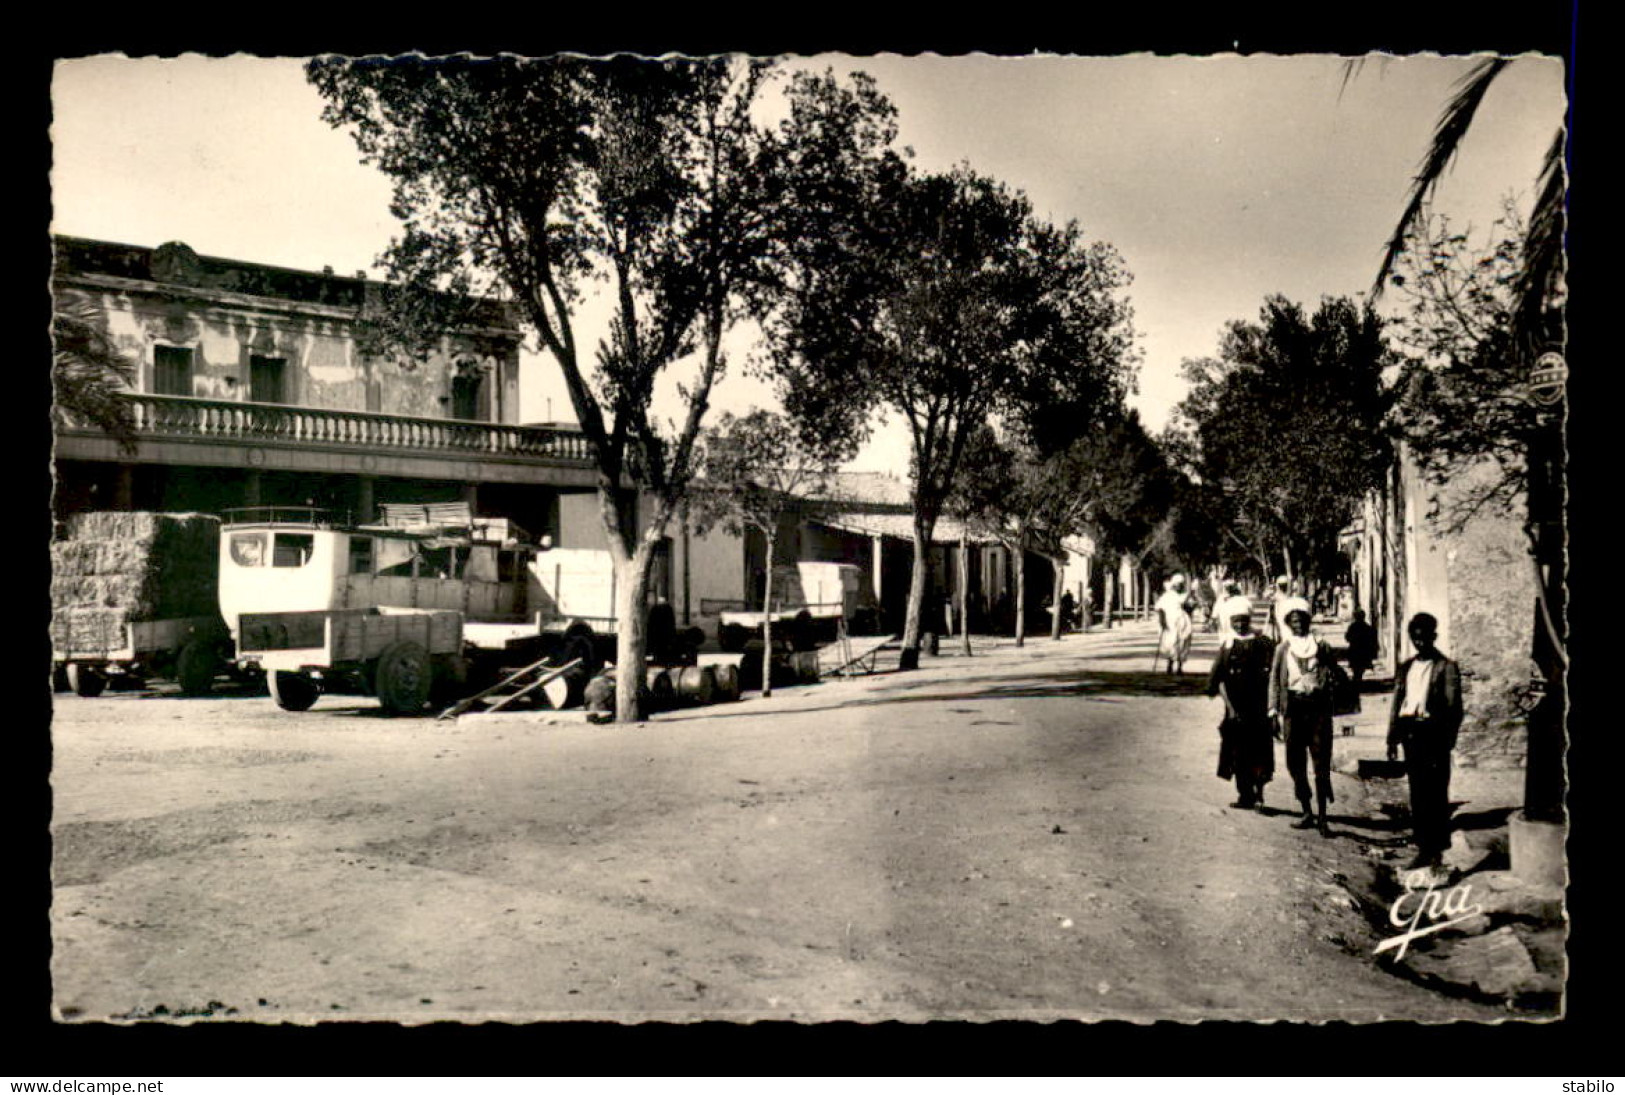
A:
{"x": 116, "y": 568}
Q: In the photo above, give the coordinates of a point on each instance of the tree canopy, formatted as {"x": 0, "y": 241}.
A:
{"x": 1286, "y": 425}
{"x": 531, "y": 180}
{"x": 936, "y": 297}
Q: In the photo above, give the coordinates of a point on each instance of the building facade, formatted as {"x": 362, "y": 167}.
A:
{"x": 254, "y": 387}
{"x": 1478, "y": 580}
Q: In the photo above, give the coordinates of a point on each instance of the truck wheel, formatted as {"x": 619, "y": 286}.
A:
{"x": 803, "y": 632}
{"x": 577, "y": 679}
{"x": 85, "y": 681}
{"x": 194, "y": 668}
{"x": 292, "y": 691}
{"x": 403, "y": 678}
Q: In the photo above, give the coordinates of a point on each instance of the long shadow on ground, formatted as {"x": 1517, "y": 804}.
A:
{"x": 1101, "y": 687}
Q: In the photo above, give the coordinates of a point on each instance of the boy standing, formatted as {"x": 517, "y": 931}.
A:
{"x": 1426, "y": 717}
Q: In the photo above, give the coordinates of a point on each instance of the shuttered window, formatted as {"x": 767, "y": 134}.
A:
{"x": 171, "y": 370}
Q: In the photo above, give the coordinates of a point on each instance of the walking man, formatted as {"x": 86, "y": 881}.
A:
{"x": 1286, "y": 600}
{"x": 1426, "y": 717}
{"x": 1174, "y": 624}
{"x": 1300, "y": 697}
{"x": 1361, "y": 639}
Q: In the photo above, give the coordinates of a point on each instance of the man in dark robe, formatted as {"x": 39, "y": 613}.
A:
{"x": 1241, "y": 678}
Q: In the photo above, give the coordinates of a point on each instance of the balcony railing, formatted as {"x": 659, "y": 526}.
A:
{"x": 167, "y": 416}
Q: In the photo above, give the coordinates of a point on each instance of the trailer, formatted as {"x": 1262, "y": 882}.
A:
{"x": 815, "y": 602}
{"x": 133, "y": 598}
{"x": 190, "y": 650}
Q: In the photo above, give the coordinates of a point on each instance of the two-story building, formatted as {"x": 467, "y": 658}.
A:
{"x": 254, "y": 388}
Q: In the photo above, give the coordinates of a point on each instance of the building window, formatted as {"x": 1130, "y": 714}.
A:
{"x": 267, "y": 379}
{"x": 171, "y": 370}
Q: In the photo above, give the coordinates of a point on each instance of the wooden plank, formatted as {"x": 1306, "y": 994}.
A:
{"x": 544, "y": 679}
{"x": 463, "y": 705}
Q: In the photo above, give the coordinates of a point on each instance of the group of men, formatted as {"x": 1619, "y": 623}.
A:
{"x": 1283, "y": 691}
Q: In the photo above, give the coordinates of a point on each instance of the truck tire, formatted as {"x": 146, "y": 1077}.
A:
{"x": 803, "y": 632}
{"x": 292, "y": 691}
{"x": 403, "y": 678}
{"x": 578, "y": 646}
{"x": 195, "y": 666}
{"x": 86, "y": 681}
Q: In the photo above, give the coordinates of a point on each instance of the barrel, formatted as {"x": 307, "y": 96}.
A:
{"x": 600, "y": 694}
{"x": 727, "y": 678}
{"x": 662, "y": 695}
{"x": 697, "y": 684}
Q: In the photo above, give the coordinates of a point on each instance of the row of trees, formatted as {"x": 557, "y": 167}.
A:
{"x": 940, "y": 297}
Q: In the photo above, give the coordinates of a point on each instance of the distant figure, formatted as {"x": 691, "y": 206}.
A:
{"x": 1241, "y": 678}
{"x": 1069, "y": 612}
{"x": 1300, "y": 697}
{"x": 1232, "y": 591}
{"x": 1202, "y": 594}
{"x": 1426, "y": 717}
{"x": 1361, "y": 638}
{"x": 1087, "y": 610}
{"x": 1174, "y": 624}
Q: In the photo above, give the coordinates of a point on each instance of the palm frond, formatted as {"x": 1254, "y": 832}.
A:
{"x": 1447, "y": 137}
{"x": 1541, "y": 277}
{"x": 90, "y": 374}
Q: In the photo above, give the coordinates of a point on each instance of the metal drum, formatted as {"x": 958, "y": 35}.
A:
{"x": 727, "y": 678}
{"x": 697, "y": 684}
{"x": 662, "y": 693}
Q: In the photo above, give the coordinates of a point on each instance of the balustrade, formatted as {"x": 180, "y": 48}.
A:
{"x": 224, "y": 420}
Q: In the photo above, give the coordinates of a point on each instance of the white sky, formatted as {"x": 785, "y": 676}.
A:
{"x": 1220, "y": 180}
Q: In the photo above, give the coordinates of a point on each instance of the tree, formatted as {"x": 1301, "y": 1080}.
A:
{"x": 1288, "y": 425}
{"x": 939, "y": 298}
{"x": 1460, "y": 393}
{"x": 1027, "y": 502}
{"x": 1118, "y": 469}
{"x": 89, "y": 373}
{"x": 1537, "y": 288}
{"x": 756, "y": 471}
{"x": 530, "y": 179}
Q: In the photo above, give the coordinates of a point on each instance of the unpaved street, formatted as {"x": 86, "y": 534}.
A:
{"x": 1030, "y": 833}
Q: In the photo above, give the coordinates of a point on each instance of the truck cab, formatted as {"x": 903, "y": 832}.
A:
{"x": 391, "y": 607}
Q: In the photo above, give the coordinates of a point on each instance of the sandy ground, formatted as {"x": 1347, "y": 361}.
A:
{"x": 1029, "y": 833}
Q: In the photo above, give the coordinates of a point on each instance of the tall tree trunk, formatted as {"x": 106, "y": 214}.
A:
{"x": 632, "y": 554}
{"x": 964, "y": 591}
{"x": 1108, "y": 587}
{"x": 1286, "y": 560}
{"x": 917, "y": 584}
{"x": 1021, "y": 595}
{"x": 1055, "y": 599}
{"x": 767, "y": 622}
{"x": 631, "y": 632}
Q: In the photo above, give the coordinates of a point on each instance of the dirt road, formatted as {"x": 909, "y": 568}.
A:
{"x": 1028, "y": 833}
